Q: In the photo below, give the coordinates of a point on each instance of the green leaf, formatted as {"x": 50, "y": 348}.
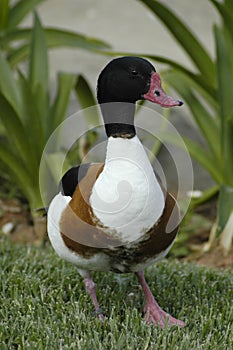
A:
{"x": 206, "y": 122}
{"x": 4, "y": 14}
{"x": 54, "y": 38}
{"x": 225, "y": 207}
{"x": 20, "y": 10}
{"x": 17, "y": 134}
{"x": 87, "y": 99}
{"x": 224, "y": 73}
{"x": 8, "y": 85}
{"x": 206, "y": 196}
{"x": 18, "y": 55}
{"x": 32, "y": 118}
{"x": 228, "y": 4}
{"x": 225, "y": 88}
{"x": 65, "y": 38}
{"x": 16, "y": 35}
{"x": 17, "y": 169}
{"x": 226, "y": 14}
{"x": 198, "y": 152}
{"x": 65, "y": 84}
{"x": 54, "y": 162}
{"x": 185, "y": 37}
{"x": 38, "y": 70}
{"x": 204, "y": 158}
{"x": 84, "y": 93}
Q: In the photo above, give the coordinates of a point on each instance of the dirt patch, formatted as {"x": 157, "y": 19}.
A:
{"x": 16, "y": 222}
{"x": 213, "y": 258}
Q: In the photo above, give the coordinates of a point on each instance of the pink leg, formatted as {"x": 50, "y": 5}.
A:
{"x": 153, "y": 313}
{"x": 91, "y": 290}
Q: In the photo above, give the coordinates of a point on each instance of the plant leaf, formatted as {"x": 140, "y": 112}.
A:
{"x": 17, "y": 135}
{"x": 31, "y": 117}
{"x": 65, "y": 38}
{"x": 225, "y": 88}
{"x": 8, "y": 85}
{"x": 38, "y": 70}
{"x": 206, "y": 122}
{"x": 54, "y": 38}
{"x": 225, "y": 207}
{"x": 87, "y": 99}
{"x": 185, "y": 37}
{"x": 199, "y": 153}
{"x": 54, "y": 161}
{"x": 16, "y": 168}
{"x": 226, "y": 14}
{"x": 206, "y": 196}
{"x": 20, "y": 10}
{"x": 4, "y": 14}
{"x": 228, "y": 4}
{"x": 66, "y": 82}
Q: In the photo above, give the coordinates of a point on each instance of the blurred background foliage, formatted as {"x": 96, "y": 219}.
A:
{"x": 29, "y": 114}
{"x": 207, "y": 91}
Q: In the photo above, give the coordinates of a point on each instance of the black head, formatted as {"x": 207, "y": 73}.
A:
{"x": 124, "y": 79}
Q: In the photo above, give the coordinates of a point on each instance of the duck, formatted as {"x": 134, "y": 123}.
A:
{"x": 116, "y": 216}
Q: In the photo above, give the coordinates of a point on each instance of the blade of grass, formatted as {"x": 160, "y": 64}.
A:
{"x": 38, "y": 71}
{"x": 185, "y": 37}
{"x": 20, "y": 10}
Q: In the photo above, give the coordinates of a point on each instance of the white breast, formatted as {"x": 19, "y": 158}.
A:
{"x": 126, "y": 196}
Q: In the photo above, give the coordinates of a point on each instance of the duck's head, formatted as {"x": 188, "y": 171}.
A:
{"x": 128, "y": 80}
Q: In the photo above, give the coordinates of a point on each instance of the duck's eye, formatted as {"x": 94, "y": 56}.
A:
{"x": 134, "y": 72}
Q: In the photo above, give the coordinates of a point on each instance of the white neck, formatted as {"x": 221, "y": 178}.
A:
{"x": 127, "y": 196}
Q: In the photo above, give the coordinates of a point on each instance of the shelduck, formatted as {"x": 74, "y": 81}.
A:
{"x": 115, "y": 216}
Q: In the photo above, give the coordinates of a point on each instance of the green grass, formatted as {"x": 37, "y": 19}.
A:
{"x": 44, "y": 305}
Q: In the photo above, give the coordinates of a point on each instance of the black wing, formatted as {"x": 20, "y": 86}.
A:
{"x": 71, "y": 178}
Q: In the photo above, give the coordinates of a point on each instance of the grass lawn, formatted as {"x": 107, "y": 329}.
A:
{"x": 44, "y": 305}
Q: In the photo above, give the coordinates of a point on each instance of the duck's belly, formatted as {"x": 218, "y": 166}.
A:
{"x": 128, "y": 203}
{"x": 121, "y": 259}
